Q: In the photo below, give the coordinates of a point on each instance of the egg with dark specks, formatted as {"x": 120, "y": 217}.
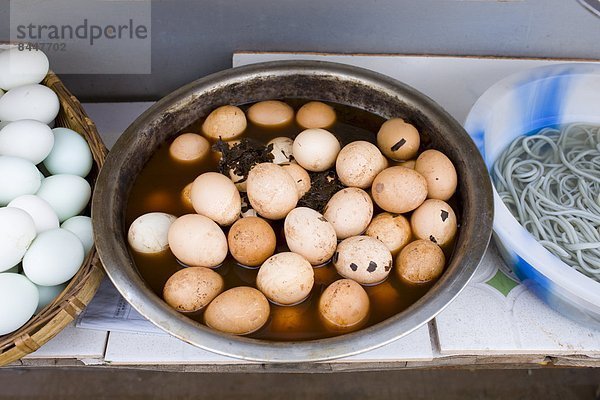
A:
{"x": 358, "y": 163}
{"x": 251, "y": 241}
{"x": 434, "y": 220}
{"x": 398, "y": 139}
{"x": 363, "y": 259}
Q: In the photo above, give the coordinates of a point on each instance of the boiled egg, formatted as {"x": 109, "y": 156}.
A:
{"x": 344, "y": 306}
{"x": 270, "y": 114}
{"x": 392, "y": 230}
{"x": 309, "y": 234}
{"x": 285, "y": 278}
{"x": 398, "y": 139}
{"x": 197, "y": 241}
{"x": 439, "y": 172}
{"x": 149, "y": 232}
{"x": 316, "y": 149}
{"x": 300, "y": 176}
{"x": 434, "y": 220}
{"x": 358, "y": 163}
{"x": 399, "y": 189}
{"x": 191, "y": 289}
{"x": 350, "y": 210}
{"x": 363, "y": 259}
{"x": 238, "y": 311}
{"x": 315, "y": 114}
{"x": 216, "y": 197}
{"x": 272, "y": 192}
{"x": 226, "y": 122}
{"x": 251, "y": 241}
{"x": 189, "y": 147}
{"x": 421, "y": 261}
{"x": 282, "y": 150}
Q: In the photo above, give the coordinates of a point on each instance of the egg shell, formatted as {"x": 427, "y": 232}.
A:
{"x": 420, "y": 262}
{"x": 43, "y": 215}
{"x": 22, "y": 67}
{"x": 315, "y": 114}
{"x": 358, "y": 163}
{"x": 399, "y": 189}
{"x": 344, "y": 306}
{"x": 238, "y": 311}
{"x": 17, "y": 177}
{"x": 251, "y": 241}
{"x": 247, "y": 211}
{"x": 392, "y": 230}
{"x": 300, "y": 176}
{"x": 192, "y": 289}
{"x": 286, "y": 278}
{"x": 272, "y": 192}
{"x": 149, "y": 232}
{"x": 197, "y": 241}
{"x": 226, "y": 122}
{"x": 33, "y": 101}
{"x": 47, "y": 295}
{"x": 53, "y": 258}
{"x": 186, "y": 196}
{"x": 17, "y": 231}
{"x": 350, "y": 210}
{"x": 439, "y": 172}
{"x": 309, "y": 234}
{"x": 398, "y": 140}
{"x": 241, "y": 184}
{"x": 216, "y": 197}
{"x": 363, "y": 259}
{"x": 19, "y": 298}
{"x": 81, "y": 226}
{"x": 282, "y": 150}
{"x": 434, "y": 220}
{"x": 270, "y": 114}
{"x": 68, "y": 195}
{"x": 28, "y": 139}
{"x": 316, "y": 149}
{"x": 70, "y": 155}
{"x": 189, "y": 147}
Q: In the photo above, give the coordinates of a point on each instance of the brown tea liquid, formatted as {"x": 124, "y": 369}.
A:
{"x": 158, "y": 189}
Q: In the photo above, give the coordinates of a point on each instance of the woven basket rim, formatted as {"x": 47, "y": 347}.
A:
{"x": 82, "y": 287}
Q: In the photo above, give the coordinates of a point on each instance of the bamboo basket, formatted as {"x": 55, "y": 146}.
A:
{"x": 79, "y": 292}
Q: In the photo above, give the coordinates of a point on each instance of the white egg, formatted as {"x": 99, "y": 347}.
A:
{"x": 67, "y": 194}
{"x": 43, "y": 215}
{"x": 70, "y": 154}
{"x": 53, "y": 258}
{"x": 350, "y": 210}
{"x": 48, "y": 294}
{"x": 17, "y": 177}
{"x": 17, "y": 231}
{"x": 316, "y": 149}
{"x": 149, "y": 232}
{"x": 18, "y": 300}
{"x": 81, "y": 226}
{"x": 28, "y": 139}
{"x": 33, "y": 101}
{"x": 22, "y": 67}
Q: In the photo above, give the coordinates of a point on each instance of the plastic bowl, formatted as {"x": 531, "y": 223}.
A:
{"x": 517, "y": 105}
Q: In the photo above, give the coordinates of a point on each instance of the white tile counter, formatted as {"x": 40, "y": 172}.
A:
{"x": 495, "y": 321}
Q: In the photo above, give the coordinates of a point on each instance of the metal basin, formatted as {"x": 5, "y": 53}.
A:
{"x": 291, "y": 79}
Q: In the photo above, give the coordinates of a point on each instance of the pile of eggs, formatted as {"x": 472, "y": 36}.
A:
{"x": 43, "y": 238}
{"x": 391, "y": 216}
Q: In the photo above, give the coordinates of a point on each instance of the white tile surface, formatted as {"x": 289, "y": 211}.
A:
{"x": 133, "y": 348}
{"x": 483, "y": 320}
{"x": 74, "y": 343}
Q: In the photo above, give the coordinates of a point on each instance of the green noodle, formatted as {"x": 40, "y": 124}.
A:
{"x": 550, "y": 182}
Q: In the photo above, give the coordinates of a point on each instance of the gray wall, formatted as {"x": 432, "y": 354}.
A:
{"x": 194, "y": 38}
